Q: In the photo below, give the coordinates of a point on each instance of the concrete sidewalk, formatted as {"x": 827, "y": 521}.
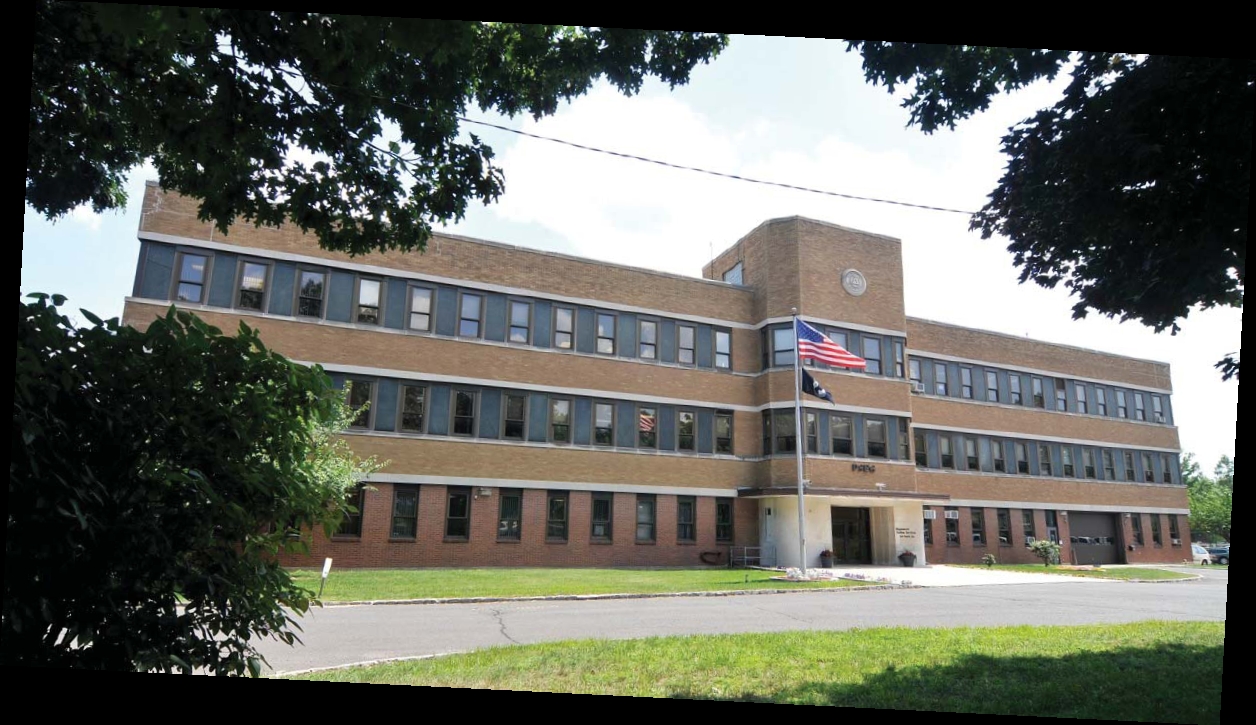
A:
{"x": 937, "y": 575}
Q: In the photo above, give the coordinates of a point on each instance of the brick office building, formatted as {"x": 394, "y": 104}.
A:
{"x": 541, "y": 409}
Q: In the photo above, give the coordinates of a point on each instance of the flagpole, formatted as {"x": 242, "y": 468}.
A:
{"x": 799, "y": 442}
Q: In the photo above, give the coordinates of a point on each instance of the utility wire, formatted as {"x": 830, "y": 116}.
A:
{"x": 709, "y": 172}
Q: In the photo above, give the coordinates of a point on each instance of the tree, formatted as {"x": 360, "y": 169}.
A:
{"x": 347, "y": 127}
{"x": 153, "y": 479}
{"x": 1212, "y": 499}
{"x": 1047, "y": 550}
{"x": 1133, "y": 189}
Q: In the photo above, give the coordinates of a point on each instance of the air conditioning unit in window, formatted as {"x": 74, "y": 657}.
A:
{"x": 917, "y": 387}
{"x": 1176, "y": 542}
{"x": 930, "y": 515}
{"x": 952, "y": 514}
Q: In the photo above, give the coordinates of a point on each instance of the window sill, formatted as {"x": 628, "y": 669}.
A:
{"x": 410, "y": 540}
{"x": 508, "y": 541}
{"x": 555, "y": 541}
{"x": 343, "y": 537}
{"x": 455, "y": 540}
{"x": 645, "y": 543}
{"x": 601, "y": 542}
{"x": 686, "y": 543}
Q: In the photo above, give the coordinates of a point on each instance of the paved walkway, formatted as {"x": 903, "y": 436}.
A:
{"x": 937, "y": 575}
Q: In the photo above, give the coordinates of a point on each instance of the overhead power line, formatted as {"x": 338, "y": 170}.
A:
{"x": 709, "y": 172}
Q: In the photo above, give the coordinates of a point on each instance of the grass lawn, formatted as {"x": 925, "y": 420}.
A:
{"x": 1111, "y": 573}
{"x": 373, "y": 584}
{"x": 1155, "y": 671}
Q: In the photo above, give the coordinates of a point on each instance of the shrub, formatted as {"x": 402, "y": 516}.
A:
{"x": 1048, "y": 551}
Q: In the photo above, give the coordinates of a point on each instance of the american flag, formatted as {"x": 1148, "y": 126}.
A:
{"x": 647, "y": 422}
{"x": 813, "y": 345}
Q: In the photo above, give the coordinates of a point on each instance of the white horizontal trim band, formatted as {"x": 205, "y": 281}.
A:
{"x": 1045, "y": 439}
{"x": 551, "y": 485}
{"x": 816, "y": 405}
{"x": 1035, "y": 371}
{"x": 1059, "y": 506}
{"x": 588, "y": 447}
{"x": 835, "y": 323}
{"x": 1010, "y": 406}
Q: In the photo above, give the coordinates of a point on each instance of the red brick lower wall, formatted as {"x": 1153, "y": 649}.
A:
{"x": 374, "y": 548}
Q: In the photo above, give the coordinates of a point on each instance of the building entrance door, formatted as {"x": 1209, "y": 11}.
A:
{"x": 852, "y": 543}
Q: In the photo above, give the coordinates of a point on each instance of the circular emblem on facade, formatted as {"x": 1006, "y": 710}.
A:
{"x": 853, "y": 282}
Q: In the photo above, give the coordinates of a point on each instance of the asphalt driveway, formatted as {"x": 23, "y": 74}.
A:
{"x": 344, "y": 635}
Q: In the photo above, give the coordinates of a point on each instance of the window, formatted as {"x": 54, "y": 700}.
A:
{"x": 1014, "y": 387}
{"x": 922, "y": 450}
{"x": 1155, "y": 530}
{"x": 355, "y": 504}
{"x": 368, "y": 301}
{"x": 649, "y": 334}
{"x": 686, "y": 514}
{"x": 1027, "y": 527}
{"x": 1166, "y": 468}
{"x": 560, "y": 420}
{"x": 723, "y": 349}
{"x": 996, "y": 455}
{"x": 421, "y": 309}
{"x": 765, "y": 350}
{"x": 520, "y": 322}
{"x": 813, "y": 433}
{"x": 645, "y": 517}
{"x": 723, "y": 432}
{"x": 1066, "y": 460}
{"x": 927, "y": 527}
{"x": 872, "y": 354}
{"x": 1005, "y": 527}
{"x": 1079, "y": 391}
{"x": 1061, "y": 397}
{"x": 1044, "y": 459}
{"x": 952, "y": 526}
{"x": 1109, "y": 465}
{"x": 470, "y": 307}
{"x": 782, "y": 346}
{"x": 405, "y": 513}
{"x": 733, "y": 275}
{"x": 556, "y": 516}
{"x": 767, "y": 432}
{"x": 464, "y": 412}
{"x": 1157, "y": 409}
{"x": 564, "y": 327}
{"x": 515, "y": 417}
{"x": 1088, "y": 463}
{"x": 904, "y": 442}
{"x": 252, "y": 292}
{"x": 939, "y": 379}
{"x": 685, "y": 430}
{"x": 413, "y": 404}
{"x": 603, "y": 424}
{"x": 786, "y": 435}
{"x": 1040, "y": 400}
{"x": 310, "y": 286}
{"x": 948, "y": 453}
{"x": 647, "y": 428}
{"x": 1022, "y": 457}
{"x": 359, "y": 401}
{"x": 603, "y": 506}
{"x": 1101, "y": 401}
{"x": 509, "y": 515}
{"x": 970, "y": 454}
{"x": 966, "y": 382}
{"x": 1175, "y": 537}
{"x": 686, "y": 337}
{"x": 1053, "y": 527}
{"x": 1139, "y": 412}
{"x": 979, "y": 526}
{"x": 458, "y": 513}
{"x": 724, "y": 520}
{"x": 913, "y": 372}
{"x": 1121, "y": 410}
{"x": 606, "y": 334}
{"x": 992, "y": 386}
{"x": 192, "y": 272}
{"x": 1128, "y": 459}
{"x": 898, "y": 358}
{"x": 1149, "y": 469}
{"x": 1136, "y": 525}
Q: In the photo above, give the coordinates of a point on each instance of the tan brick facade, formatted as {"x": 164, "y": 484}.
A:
{"x": 788, "y": 264}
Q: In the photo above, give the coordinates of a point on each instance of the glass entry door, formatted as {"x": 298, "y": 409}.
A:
{"x": 851, "y": 542}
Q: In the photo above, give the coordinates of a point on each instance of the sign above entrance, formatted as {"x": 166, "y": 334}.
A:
{"x": 863, "y": 467}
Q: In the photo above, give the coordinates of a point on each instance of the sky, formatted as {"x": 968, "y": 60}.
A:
{"x": 792, "y": 110}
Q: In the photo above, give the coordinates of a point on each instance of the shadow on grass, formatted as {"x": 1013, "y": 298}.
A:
{"x": 1166, "y": 683}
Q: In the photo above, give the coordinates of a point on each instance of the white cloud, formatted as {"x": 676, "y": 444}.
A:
{"x": 84, "y": 216}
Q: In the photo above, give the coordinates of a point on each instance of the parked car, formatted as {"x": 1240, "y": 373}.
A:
{"x": 1199, "y": 555}
{"x": 1219, "y": 554}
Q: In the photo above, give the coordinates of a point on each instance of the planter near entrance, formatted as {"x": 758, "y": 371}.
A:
{"x": 908, "y": 558}
{"x": 826, "y": 559}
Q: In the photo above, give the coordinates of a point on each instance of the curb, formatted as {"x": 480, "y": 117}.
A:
{"x": 364, "y": 663}
{"x": 597, "y": 597}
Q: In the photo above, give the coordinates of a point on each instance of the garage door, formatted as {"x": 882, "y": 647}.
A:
{"x": 1094, "y": 538}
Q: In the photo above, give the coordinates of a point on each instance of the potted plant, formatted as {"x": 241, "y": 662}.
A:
{"x": 908, "y": 557}
{"x": 826, "y": 559}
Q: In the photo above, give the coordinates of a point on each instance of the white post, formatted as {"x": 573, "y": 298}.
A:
{"x": 800, "y": 442}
